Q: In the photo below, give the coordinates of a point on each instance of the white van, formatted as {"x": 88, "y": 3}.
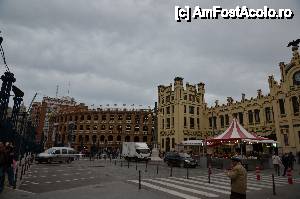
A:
{"x": 57, "y": 154}
{"x": 136, "y": 150}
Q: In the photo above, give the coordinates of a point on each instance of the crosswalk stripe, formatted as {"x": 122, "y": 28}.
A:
{"x": 202, "y": 183}
{"x": 184, "y": 188}
{"x": 169, "y": 191}
{"x": 196, "y": 186}
{"x": 225, "y": 182}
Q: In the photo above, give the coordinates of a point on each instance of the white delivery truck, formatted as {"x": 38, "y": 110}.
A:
{"x": 136, "y": 151}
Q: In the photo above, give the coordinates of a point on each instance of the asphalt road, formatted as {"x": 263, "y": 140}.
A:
{"x": 104, "y": 179}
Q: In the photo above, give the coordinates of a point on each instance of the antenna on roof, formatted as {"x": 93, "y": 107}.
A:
{"x": 56, "y": 94}
{"x": 69, "y": 85}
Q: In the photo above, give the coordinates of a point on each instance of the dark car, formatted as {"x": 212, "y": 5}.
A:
{"x": 180, "y": 159}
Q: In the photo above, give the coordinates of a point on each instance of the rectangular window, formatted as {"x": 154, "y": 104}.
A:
{"x": 197, "y": 110}
{"x": 163, "y": 123}
{"x": 299, "y": 136}
{"x": 172, "y": 122}
{"x": 162, "y": 143}
{"x": 226, "y": 119}
{"x": 198, "y": 123}
{"x": 168, "y": 98}
{"x": 191, "y": 109}
{"x": 268, "y": 114}
{"x": 103, "y": 117}
{"x": 184, "y": 109}
{"x": 286, "y": 139}
{"x": 281, "y": 106}
{"x": 168, "y": 110}
{"x": 112, "y": 117}
{"x": 210, "y": 121}
{"x": 215, "y": 122}
{"x": 192, "y": 123}
{"x": 168, "y": 123}
{"x": 184, "y": 121}
{"x": 250, "y": 117}
{"x": 222, "y": 121}
{"x": 120, "y": 117}
{"x": 295, "y": 104}
{"x": 241, "y": 119}
{"x": 172, "y": 108}
{"x": 256, "y": 116}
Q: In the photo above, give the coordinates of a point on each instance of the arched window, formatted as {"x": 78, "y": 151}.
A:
{"x": 127, "y": 138}
{"x": 118, "y": 138}
{"x": 136, "y": 139}
{"x": 110, "y": 138}
{"x": 102, "y": 138}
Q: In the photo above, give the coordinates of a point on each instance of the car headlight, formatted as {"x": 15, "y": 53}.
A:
{"x": 187, "y": 161}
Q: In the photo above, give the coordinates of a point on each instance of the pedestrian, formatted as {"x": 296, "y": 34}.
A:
{"x": 238, "y": 176}
{"x": 2, "y": 166}
{"x": 10, "y": 162}
{"x": 285, "y": 162}
{"x": 291, "y": 160}
{"x": 276, "y": 163}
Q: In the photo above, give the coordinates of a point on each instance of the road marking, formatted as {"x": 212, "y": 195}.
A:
{"x": 196, "y": 186}
{"x": 48, "y": 182}
{"x": 203, "y": 183}
{"x": 57, "y": 181}
{"x": 67, "y": 180}
{"x": 75, "y": 179}
{"x": 169, "y": 191}
{"x": 184, "y": 188}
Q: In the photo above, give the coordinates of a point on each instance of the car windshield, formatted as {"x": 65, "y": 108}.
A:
{"x": 143, "y": 151}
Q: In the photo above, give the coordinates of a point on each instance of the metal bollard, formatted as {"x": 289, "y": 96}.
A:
{"x": 16, "y": 178}
{"x": 171, "y": 172}
{"x": 157, "y": 169}
{"x": 135, "y": 164}
{"x": 140, "y": 186}
{"x": 274, "y": 193}
{"x": 146, "y": 166}
{"x": 187, "y": 172}
{"x": 22, "y": 172}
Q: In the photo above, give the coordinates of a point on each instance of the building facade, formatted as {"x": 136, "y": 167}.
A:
{"x": 274, "y": 115}
{"x": 99, "y": 129}
{"x": 41, "y": 112}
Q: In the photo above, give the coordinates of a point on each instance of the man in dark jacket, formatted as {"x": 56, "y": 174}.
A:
{"x": 2, "y": 166}
{"x": 291, "y": 160}
{"x": 285, "y": 162}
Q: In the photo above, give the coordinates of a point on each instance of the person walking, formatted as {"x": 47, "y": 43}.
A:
{"x": 285, "y": 162}
{"x": 291, "y": 160}
{"x": 276, "y": 163}
{"x": 238, "y": 176}
{"x": 2, "y": 166}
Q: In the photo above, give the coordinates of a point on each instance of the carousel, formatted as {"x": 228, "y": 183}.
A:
{"x": 237, "y": 141}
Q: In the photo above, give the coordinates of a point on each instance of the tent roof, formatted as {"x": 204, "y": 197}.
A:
{"x": 235, "y": 131}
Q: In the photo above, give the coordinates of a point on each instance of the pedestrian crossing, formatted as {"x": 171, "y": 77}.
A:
{"x": 198, "y": 186}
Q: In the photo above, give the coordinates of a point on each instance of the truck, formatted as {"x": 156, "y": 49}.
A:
{"x": 136, "y": 151}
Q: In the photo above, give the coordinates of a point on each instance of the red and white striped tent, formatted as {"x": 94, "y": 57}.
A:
{"x": 235, "y": 132}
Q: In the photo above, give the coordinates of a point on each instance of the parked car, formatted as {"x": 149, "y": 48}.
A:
{"x": 57, "y": 154}
{"x": 180, "y": 159}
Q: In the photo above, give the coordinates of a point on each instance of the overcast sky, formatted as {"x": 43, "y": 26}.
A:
{"x": 120, "y": 51}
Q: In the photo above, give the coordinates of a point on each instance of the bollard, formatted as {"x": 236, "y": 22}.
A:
{"x": 16, "y": 178}
{"x": 157, "y": 169}
{"x": 274, "y": 193}
{"x": 187, "y": 172}
{"x": 22, "y": 172}
{"x": 209, "y": 173}
{"x": 140, "y": 186}
{"x": 289, "y": 175}
{"x": 146, "y": 166}
{"x": 136, "y": 165}
{"x": 110, "y": 159}
{"x": 171, "y": 172}
{"x": 257, "y": 170}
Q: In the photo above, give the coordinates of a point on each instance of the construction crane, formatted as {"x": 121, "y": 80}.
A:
{"x": 30, "y": 105}
{"x": 3, "y": 55}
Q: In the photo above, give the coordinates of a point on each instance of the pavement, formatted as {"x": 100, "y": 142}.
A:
{"x": 107, "y": 179}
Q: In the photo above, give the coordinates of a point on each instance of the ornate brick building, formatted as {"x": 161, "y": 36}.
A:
{"x": 183, "y": 113}
{"x": 102, "y": 128}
